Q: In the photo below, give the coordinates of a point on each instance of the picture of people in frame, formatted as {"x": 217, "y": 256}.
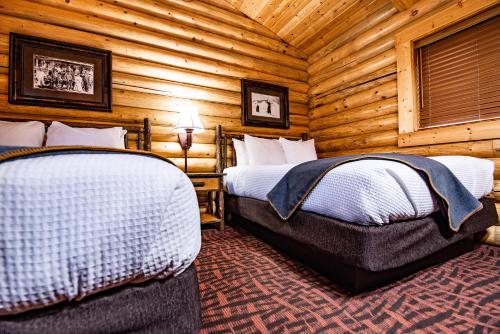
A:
{"x": 62, "y": 75}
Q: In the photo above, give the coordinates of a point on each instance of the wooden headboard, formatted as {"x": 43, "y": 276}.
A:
{"x": 224, "y": 141}
{"x": 138, "y": 133}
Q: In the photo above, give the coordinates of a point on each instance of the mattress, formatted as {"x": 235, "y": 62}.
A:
{"x": 366, "y": 192}
{"x": 73, "y": 225}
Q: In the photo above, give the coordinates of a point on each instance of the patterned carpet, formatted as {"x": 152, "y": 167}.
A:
{"x": 248, "y": 287}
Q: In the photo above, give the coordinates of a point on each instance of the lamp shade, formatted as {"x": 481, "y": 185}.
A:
{"x": 189, "y": 119}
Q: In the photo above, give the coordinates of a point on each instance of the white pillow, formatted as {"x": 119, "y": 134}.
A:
{"x": 60, "y": 134}
{"x": 29, "y": 134}
{"x": 264, "y": 151}
{"x": 241, "y": 152}
{"x": 298, "y": 151}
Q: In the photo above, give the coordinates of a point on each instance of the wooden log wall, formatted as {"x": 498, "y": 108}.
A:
{"x": 353, "y": 93}
{"x": 166, "y": 54}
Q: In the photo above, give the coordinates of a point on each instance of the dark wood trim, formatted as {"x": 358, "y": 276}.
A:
{"x": 147, "y": 135}
{"x": 224, "y": 140}
{"x": 143, "y": 133}
{"x": 203, "y": 182}
{"x": 205, "y": 175}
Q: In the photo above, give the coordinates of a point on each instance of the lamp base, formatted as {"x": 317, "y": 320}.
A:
{"x": 186, "y": 140}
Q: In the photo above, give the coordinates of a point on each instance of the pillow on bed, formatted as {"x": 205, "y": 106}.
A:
{"x": 240, "y": 150}
{"x": 29, "y": 134}
{"x": 298, "y": 151}
{"x": 60, "y": 134}
{"x": 264, "y": 151}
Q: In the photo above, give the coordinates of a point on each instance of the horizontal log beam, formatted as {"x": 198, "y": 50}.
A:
{"x": 369, "y": 66}
{"x": 480, "y": 149}
{"x": 375, "y": 33}
{"x": 318, "y": 73}
{"x": 135, "y": 50}
{"x": 164, "y": 87}
{"x": 369, "y": 140}
{"x": 195, "y": 165}
{"x": 485, "y": 129}
{"x": 174, "y": 150}
{"x": 334, "y": 95}
{"x": 55, "y": 16}
{"x": 222, "y": 15}
{"x": 197, "y": 20}
{"x": 348, "y": 20}
{"x": 336, "y": 41}
{"x": 297, "y": 92}
{"x": 379, "y": 93}
{"x": 403, "y": 5}
{"x": 377, "y": 124}
{"x": 496, "y": 161}
{"x": 115, "y": 16}
{"x": 363, "y": 113}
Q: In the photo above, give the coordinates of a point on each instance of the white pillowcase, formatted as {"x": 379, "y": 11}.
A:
{"x": 29, "y": 134}
{"x": 264, "y": 151}
{"x": 298, "y": 151}
{"x": 60, "y": 134}
{"x": 240, "y": 150}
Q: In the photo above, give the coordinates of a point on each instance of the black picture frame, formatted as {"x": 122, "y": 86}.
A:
{"x": 264, "y": 105}
{"x": 50, "y": 73}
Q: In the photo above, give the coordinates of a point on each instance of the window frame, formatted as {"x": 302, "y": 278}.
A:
{"x": 408, "y": 103}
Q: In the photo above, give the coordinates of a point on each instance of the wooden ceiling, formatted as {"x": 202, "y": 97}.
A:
{"x": 310, "y": 25}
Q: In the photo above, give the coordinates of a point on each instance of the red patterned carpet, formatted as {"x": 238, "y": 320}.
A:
{"x": 248, "y": 287}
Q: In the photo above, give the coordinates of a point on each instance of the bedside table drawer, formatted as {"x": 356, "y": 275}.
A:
{"x": 205, "y": 183}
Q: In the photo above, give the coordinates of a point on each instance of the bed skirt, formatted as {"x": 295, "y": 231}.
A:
{"x": 157, "y": 306}
{"x": 355, "y": 256}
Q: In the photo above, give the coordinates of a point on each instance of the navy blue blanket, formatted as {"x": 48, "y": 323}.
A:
{"x": 455, "y": 201}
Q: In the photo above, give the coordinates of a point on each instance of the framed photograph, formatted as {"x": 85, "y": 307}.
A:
{"x": 45, "y": 73}
{"x": 264, "y": 104}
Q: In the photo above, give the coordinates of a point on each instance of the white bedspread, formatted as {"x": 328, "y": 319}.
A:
{"x": 72, "y": 225}
{"x": 367, "y": 191}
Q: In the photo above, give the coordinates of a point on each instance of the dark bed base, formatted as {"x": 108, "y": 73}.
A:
{"x": 359, "y": 257}
{"x": 353, "y": 279}
{"x": 166, "y": 306}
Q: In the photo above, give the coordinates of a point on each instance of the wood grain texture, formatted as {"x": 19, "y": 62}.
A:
{"x": 308, "y": 24}
{"x": 166, "y": 54}
{"x": 363, "y": 117}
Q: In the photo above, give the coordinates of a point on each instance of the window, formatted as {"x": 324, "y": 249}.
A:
{"x": 458, "y": 76}
{"x": 448, "y": 67}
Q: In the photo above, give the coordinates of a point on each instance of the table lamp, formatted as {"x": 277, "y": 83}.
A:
{"x": 189, "y": 123}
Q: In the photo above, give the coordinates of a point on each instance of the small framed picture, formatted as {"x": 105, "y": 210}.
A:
{"x": 264, "y": 104}
{"x": 50, "y": 73}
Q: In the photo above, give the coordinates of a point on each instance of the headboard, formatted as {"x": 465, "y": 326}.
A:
{"x": 224, "y": 140}
{"x": 137, "y": 132}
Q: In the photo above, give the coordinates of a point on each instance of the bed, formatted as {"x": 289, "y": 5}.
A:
{"x": 361, "y": 231}
{"x": 97, "y": 240}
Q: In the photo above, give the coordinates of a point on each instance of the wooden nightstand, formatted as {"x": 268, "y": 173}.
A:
{"x": 211, "y": 183}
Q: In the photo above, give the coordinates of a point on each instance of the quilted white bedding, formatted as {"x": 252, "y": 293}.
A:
{"x": 73, "y": 225}
{"x": 368, "y": 192}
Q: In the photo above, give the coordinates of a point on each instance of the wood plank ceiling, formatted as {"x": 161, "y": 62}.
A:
{"x": 311, "y": 25}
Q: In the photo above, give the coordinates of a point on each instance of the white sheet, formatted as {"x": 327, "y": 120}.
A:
{"x": 368, "y": 191}
{"x": 76, "y": 224}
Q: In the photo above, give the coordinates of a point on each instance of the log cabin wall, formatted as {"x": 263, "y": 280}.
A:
{"x": 165, "y": 54}
{"x": 353, "y": 92}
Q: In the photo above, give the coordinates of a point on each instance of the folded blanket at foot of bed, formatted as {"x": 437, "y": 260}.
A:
{"x": 455, "y": 201}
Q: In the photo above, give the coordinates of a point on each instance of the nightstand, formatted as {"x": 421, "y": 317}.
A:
{"x": 211, "y": 183}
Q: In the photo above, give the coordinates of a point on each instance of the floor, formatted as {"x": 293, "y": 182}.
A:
{"x": 248, "y": 287}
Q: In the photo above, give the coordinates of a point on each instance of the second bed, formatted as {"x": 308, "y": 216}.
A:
{"x": 366, "y": 222}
